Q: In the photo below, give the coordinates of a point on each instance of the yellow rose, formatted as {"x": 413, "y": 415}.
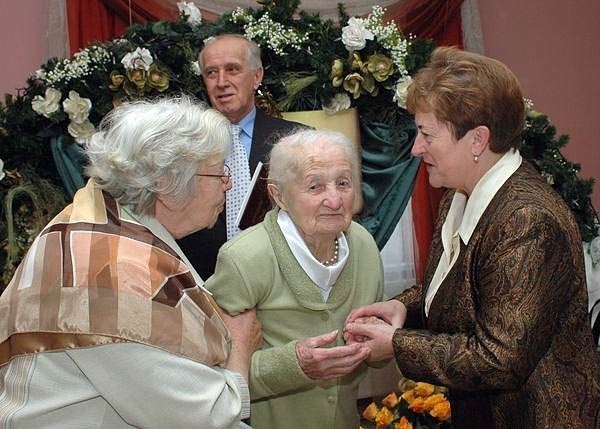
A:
{"x": 380, "y": 67}
{"x": 137, "y": 77}
{"x": 337, "y": 73}
{"x": 116, "y": 80}
{"x": 352, "y": 84}
{"x": 158, "y": 79}
{"x": 368, "y": 84}
{"x": 355, "y": 62}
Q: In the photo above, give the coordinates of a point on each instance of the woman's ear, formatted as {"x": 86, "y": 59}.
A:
{"x": 481, "y": 139}
{"x": 275, "y": 193}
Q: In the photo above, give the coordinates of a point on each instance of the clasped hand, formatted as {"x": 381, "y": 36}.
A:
{"x": 373, "y": 326}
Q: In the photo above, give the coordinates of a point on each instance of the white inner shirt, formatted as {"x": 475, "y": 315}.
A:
{"x": 323, "y": 276}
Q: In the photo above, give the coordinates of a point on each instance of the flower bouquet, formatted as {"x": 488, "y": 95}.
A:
{"x": 420, "y": 405}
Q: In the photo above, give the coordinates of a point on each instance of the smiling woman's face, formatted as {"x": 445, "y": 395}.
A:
{"x": 320, "y": 199}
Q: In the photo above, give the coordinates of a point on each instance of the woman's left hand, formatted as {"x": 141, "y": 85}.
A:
{"x": 324, "y": 363}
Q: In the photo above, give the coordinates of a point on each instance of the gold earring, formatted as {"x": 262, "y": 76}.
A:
{"x": 476, "y": 158}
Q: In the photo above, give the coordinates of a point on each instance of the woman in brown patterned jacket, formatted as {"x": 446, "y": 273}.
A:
{"x": 501, "y": 318}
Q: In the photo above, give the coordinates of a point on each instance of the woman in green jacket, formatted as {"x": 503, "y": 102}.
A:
{"x": 304, "y": 268}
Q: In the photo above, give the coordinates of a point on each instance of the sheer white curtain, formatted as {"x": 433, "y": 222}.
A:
{"x": 57, "y": 29}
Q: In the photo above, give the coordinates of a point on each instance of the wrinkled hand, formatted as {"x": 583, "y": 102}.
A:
{"x": 324, "y": 363}
{"x": 376, "y": 336}
{"x": 246, "y": 338}
{"x": 349, "y": 338}
{"x": 393, "y": 312}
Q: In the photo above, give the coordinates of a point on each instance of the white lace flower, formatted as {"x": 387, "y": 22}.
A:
{"x": 2, "y": 173}
{"x": 81, "y": 132}
{"x": 401, "y": 91}
{"x": 76, "y": 107}
{"x": 190, "y": 11}
{"x": 356, "y": 34}
{"x": 48, "y": 104}
{"x": 141, "y": 58}
{"x": 341, "y": 101}
{"x": 195, "y": 68}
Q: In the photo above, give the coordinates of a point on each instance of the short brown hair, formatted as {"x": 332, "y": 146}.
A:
{"x": 465, "y": 90}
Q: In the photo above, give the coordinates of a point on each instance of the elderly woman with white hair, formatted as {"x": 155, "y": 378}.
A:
{"x": 105, "y": 323}
{"x": 303, "y": 269}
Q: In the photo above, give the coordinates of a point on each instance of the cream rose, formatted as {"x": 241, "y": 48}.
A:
{"x": 339, "y": 102}
{"x": 81, "y": 132}
{"x": 77, "y": 108}
{"x": 355, "y": 35}
{"x": 401, "y": 91}
{"x": 48, "y": 104}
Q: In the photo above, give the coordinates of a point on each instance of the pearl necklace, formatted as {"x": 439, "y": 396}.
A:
{"x": 334, "y": 258}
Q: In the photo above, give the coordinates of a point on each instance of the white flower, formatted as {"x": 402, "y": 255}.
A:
{"x": 195, "y": 68}
{"x": 141, "y": 58}
{"x": 401, "y": 91}
{"x": 40, "y": 74}
{"x": 48, "y": 104}
{"x": 355, "y": 35}
{"x": 341, "y": 101}
{"x": 194, "y": 17}
{"x": 77, "y": 108}
{"x": 81, "y": 132}
{"x": 2, "y": 173}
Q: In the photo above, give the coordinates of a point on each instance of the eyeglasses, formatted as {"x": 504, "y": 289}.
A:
{"x": 225, "y": 177}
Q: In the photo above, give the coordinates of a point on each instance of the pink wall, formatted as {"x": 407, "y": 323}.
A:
{"x": 553, "y": 46}
{"x": 22, "y": 46}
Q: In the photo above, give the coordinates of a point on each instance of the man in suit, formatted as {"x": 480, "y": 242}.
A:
{"x": 232, "y": 72}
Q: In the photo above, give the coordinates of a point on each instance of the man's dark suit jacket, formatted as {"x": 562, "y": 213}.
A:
{"x": 202, "y": 247}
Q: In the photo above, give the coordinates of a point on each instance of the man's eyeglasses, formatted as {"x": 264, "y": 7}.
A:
{"x": 225, "y": 177}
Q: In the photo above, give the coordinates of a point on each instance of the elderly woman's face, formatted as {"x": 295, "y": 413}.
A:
{"x": 321, "y": 198}
{"x": 202, "y": 209}
{"x": 447, "y": 159}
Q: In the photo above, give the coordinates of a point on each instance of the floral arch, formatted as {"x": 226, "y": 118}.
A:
{"x": 310, "y": 64}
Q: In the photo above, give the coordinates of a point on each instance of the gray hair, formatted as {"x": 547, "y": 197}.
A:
{"x": 144, "y": 141}
{"x": 253, "y": 50}
{"x": 285, "y": 164}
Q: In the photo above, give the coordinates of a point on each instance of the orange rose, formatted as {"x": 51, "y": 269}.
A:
{"x": 409, "y": 396}
{"x": 424, "y": 389}
{"x": 370, "y": 412}
{"x": 390, "y": 400}
{"x": 403, "y": 424}
{"x": 434, "y": 399}
{"x": 418, "y": 405}
{"x": 383, "y": 418}
{"x": 441, "y": 411}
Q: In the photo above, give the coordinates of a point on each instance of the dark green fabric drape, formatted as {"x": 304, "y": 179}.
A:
{"x": 69, "y": 160}
{"x": 388, "y": 173}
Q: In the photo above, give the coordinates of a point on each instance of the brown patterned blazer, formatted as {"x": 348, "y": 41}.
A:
{"x": 508, "y": 330}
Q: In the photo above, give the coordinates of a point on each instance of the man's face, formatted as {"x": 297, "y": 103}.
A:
{"x": 229, "y": 78}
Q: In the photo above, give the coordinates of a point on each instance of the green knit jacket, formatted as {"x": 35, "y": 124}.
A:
{"x": 258, "y": 270}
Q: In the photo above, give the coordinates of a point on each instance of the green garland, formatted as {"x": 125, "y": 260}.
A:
{"x": 299, "y": 75}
